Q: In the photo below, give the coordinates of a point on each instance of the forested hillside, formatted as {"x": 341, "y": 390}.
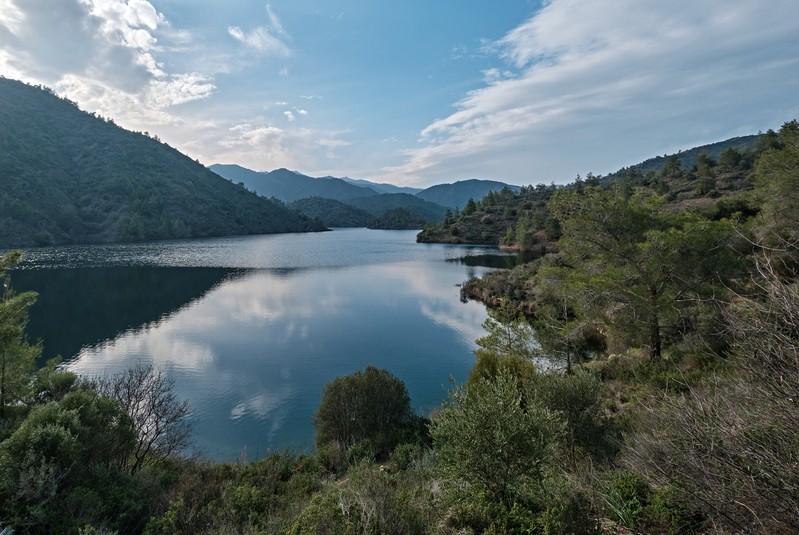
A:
{"x": 331, "y": 212}
{"x": 694, "y": 179}
{"x": 72, "y": 177}
{"x": 378, "y": 204}
{"x": 455, "y": 196}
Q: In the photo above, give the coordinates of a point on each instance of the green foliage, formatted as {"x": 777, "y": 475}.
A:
{"x": 332, "y": 213}
{"x": 490, "y": 365}
{"x": 324, "y": 516}
{"x": 377, "y": 205}
{"x": 71, "y": 177}
{"x": 372, "y": 406}
{"x": 509, "y": 334}
{"x": 735, "y": 460}
{"x": 398, "y": 219}
{"x": 636, "y": 264}
{"x": 490, "y": 220}
{"x": 575, "y": 399}
{"x": 777, "y": 185}
{"x": 492, "y": 443}
{"x": 17, "y": 356}
{"x": 60, "y": 469}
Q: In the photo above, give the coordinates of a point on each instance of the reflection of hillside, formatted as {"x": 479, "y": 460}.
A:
{"x": 83, "y": 306}
{"x": 496, "y": 261}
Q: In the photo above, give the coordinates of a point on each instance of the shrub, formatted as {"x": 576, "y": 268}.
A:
{"x": 370, "y": 406}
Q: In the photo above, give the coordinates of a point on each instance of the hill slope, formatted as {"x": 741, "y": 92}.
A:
{"x": 72, "y": 177}
{"x": 290, "y": 186}
{"x": 377, "y": 205}
{"x": 711, "y": 178}
{"x": 331, "y": 212}
{"x": 456, "y": 195}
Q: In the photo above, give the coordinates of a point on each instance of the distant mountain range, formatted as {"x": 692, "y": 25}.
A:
{"x": 380, "y": 187}
{"x": 289, "y": 186}
{"x": 73, "y": 177}
{"x": 305, "y": 194}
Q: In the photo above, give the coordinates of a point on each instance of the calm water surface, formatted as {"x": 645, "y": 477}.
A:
{"x": 252, "y": 328}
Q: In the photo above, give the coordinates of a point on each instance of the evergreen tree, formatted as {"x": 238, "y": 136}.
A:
{"x": 17, "y": 356}
{"x": 635, "y": 264}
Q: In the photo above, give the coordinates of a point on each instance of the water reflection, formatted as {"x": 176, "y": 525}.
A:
{"x": 252, "y": 348}
{"x": 87, "y": 305}
{"x": 253, "y": 355}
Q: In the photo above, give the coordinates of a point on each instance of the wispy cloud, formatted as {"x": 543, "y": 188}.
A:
{"x": 271, "y": 40}
{"x": 597, "y": 84}
{"x": 266, "y": 146}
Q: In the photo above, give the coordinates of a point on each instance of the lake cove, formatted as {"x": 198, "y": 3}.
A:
{"x": 252, "y": 328}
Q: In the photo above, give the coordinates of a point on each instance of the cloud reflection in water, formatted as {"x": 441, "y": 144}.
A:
{"x": 253, "y": 354}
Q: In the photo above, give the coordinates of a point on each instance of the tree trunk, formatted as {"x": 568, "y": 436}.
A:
{"x": 654, "y": 326}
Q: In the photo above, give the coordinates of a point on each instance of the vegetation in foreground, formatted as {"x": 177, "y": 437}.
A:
{"x": 667, "y": 403}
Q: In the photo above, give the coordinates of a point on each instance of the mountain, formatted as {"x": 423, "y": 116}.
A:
{"x": 377, "y": 205}
{"x": 289, "y": 186}
{"x": 458, "y": 194}
{"x": 332, "y": 213}
{"x": 381, "y": 187}
{"x": 73, "y": 177}
{"x": 309, "y": 195}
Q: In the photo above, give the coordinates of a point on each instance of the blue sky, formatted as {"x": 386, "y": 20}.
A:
{"x": 418, "y": 92}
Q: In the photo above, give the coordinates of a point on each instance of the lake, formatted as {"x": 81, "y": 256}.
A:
{"x": 252, "y": 328}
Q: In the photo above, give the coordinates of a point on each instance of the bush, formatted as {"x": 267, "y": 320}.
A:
{"x": 490, "y": 441}
{"x": 371, "y": 407}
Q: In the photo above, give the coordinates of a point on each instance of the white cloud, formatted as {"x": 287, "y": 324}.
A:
{"x": 180, "y": 89}
{"x": 269, "y": 40}
{"x": 104, "y": 54}
{"x": 265, "y": 146}
{"x": 290, "y": 116}
{"x": 597, "y": 84}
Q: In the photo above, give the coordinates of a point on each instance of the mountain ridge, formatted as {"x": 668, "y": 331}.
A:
{"x": 73, "y": 177}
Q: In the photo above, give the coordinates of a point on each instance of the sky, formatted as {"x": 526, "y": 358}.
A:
{"x": 417, "y": 92}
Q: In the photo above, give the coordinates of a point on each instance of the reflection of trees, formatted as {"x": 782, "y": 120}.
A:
{"x": 83, "y": 306}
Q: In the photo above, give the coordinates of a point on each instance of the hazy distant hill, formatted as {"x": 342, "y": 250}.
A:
{"x": 381, "y": 187}
{"x": 72, "y": 177}
{"x": 290, "y": 186}
{"x": 458, "y": 194}
{"x": 308, "y": 195}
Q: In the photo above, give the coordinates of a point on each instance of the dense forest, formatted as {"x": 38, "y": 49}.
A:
{"x": 641, "y": 376}
{"x": 73, "y": 177}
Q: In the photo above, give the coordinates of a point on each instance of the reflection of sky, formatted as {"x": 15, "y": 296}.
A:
{"x": 253, "y": 355}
